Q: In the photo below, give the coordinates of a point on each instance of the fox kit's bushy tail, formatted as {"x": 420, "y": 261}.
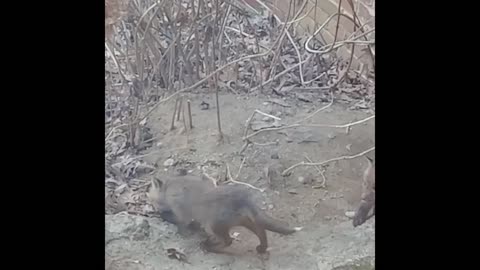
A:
{"x": 272, "y": 224}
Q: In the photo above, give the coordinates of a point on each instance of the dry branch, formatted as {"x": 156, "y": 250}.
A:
{"x": 309, "y": 125}
{"x": 327, "y": 161}
{"x": 324, "y": 180}
{"x": 230, "y": 179}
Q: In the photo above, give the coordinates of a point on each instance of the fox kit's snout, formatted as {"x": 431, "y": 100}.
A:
{"x": 215, "y": 209}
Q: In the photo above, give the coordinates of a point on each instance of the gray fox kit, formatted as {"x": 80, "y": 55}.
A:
{"x": 368, "y": 195}
{"x": 216, "y": 209}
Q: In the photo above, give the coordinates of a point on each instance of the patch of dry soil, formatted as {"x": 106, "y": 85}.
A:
{"x": 328, "y": 239}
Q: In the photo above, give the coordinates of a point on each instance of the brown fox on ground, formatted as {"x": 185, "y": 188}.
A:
{"x": 192, "y": 200}
{"x": 368, "y": 195}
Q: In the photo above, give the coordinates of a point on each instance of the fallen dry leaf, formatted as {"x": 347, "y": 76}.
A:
{"x": 173, "y": 253}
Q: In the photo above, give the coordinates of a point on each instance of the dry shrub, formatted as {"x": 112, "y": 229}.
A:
{"x": 115, "y": 10}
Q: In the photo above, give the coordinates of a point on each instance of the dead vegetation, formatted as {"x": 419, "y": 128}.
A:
{"x": 160, "y": 51}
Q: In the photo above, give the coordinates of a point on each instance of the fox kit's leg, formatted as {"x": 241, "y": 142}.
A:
{"x": 260, "y": 232}
{"x": 220, "y": 239}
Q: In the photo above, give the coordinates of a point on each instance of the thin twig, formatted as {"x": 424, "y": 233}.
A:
{"x": 244, "y": 147}
{"x": 309, "y": 125}
{"x": 214, "y": 181}
{"x": 247, "y": 124}
{"x": 172, "y": 126}
{"x": 268, "y": 115}
{"x": 327, "y": 161}
{"x": 230, "y": 179}
{"x": 266, "y": 144}
{"x": 180, "y": 108}
{"x": 285, "y": 71}
{"x": 189, "y": 114}
{"x": 319, "y": 110}
{"x": 319, "y": 171}
{"x": 184, "y": 120}
{"x": 240, "y": 168}
{"x": 113, "y": 129}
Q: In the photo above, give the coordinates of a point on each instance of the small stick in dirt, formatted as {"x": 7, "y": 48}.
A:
{"x": 247, "y": 124}
{"x": 184, "y": 120}
{"x": 297, "y": 124}
{"x": 220, "y": 134}
{"x": 209, "y": 177}
{"x": 230, "y": 179}
{"x": 266, "y": 144}
{"x": 320, "y": 171}
{"x": 268, "y": 115}
{"x": 319, "y": 110}
{"x": 189, "y": 114}
{"x": 327, "y": 161}
{"x": 244, "y": 147}
{"x": 240, "y": 169}
{"x": 172, "y": 126}
{"x": 179, "y": 108}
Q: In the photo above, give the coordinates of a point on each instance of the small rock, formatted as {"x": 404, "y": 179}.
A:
{"x": 292, "y": 191}
{"x": 267, "y": 119}
{"x": 327, "y": 217}
{"x": 331, "y": 136}
{"x": 301, "y": 179}
{"x": 270, "y": 206}
{"x": 348, "y": 146}
{"x": 274, "y": 156}
{"x": 147, "y": 208}
{"x": 169, "y": 162}
{"x": 204, "y": 105}
{"x": 350, "y": 214}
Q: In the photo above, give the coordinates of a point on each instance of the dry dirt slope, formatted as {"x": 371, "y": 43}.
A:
{"x": 328, "y": 239}
{"x": 134, "y": 242}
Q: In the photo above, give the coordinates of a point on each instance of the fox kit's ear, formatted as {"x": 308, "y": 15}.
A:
{"x": 156, "y": 183}
{"x": 153, "y": 192}
{"x": 369, "y": 172}
{"x": 370, "y": 160}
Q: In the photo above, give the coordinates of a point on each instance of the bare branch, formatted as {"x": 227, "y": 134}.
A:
{"x": 241, "y": 183}
{"x": 327, "y": 161}
{"x": 308, "y": 125}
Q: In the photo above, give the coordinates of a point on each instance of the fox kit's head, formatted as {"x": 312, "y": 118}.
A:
{"x": 154, "y": 194}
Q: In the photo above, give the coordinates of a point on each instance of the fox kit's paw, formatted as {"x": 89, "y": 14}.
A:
{"x": 261, "y": 249}
{"x": 264, "y": 256}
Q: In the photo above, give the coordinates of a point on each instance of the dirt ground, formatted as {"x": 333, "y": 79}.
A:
{"x": 328, "y": 239}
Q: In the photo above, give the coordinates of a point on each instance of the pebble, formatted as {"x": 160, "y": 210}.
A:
{"x": 301, "y": 179}
{"x": 169, "y": 162}
{"x": 350, "y": 214}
